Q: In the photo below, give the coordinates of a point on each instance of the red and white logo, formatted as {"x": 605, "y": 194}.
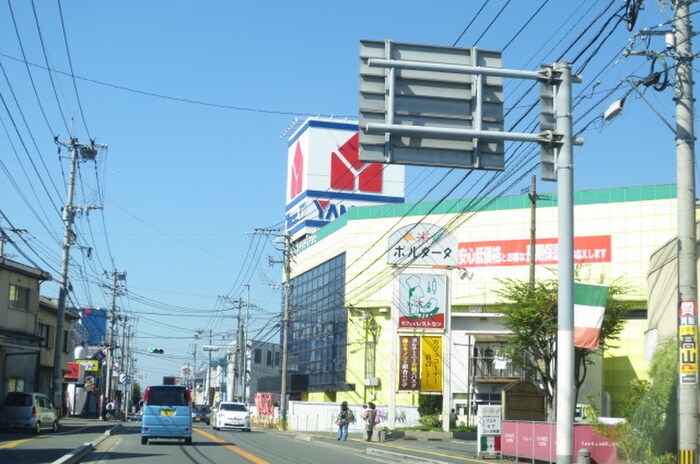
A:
{"x": 349, "y": 173}
{"x": 296, "y": 180}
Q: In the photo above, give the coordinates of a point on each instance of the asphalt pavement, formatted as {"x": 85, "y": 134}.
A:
{"x": 446, "y": 450}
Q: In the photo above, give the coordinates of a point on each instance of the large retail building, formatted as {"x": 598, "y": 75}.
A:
{"x": 391, "y": 300}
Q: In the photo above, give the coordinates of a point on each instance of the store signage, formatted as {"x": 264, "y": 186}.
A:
{"x": 589, "y": 249}
{"x": 326, "y": 177}
{"x": 409, "y": 363}
{"x": 90, "y": 365}
{"x": 422, "y": 301}
{"x": 422, "y": 244}
{"x": 431, "y": 365}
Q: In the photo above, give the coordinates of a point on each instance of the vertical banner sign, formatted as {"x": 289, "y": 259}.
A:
{"x": 431, "y": 364}
{"x": 688, "y": 342}
{"x": 422, "y": 301}
{"x": 409, "y": 363}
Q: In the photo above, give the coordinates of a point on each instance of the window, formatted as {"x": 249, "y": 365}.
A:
{"x": 269, "y": 358}
{"x": 258, "y": 356}
{"x": 66, "y": 342}
{"x": 45, "y": 334}
{"x": 277, "y": 358}
{"x": 19, "y": 298}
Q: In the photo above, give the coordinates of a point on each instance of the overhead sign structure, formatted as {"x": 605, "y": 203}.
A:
{"x": 417, "y": 103}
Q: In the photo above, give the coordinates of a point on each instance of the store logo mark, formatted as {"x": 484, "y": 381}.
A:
{"x": 349, "y": 173}
{"x": 297, "y": 170}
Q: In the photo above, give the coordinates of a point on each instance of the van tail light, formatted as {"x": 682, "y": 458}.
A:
{"x": 146, "y": 394}
{"x": 33, "y": 410}
{"x": 189, "y": 396}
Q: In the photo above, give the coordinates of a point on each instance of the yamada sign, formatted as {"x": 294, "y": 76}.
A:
{"x": 589, "y": 249}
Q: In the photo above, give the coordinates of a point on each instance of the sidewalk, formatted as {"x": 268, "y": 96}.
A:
{"x": 426, "y": 447}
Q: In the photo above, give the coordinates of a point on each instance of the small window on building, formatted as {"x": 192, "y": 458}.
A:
{"x": 45, "y": 334}
{"x": 277, "y": 358}
{"x": 19, "y": 298}
{"x": 66, "y": 342}
{"x": 269, "y": 358}
{"x": 258, "y": 356}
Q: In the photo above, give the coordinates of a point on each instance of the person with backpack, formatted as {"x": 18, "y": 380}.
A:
{"x": 345, "y": 416}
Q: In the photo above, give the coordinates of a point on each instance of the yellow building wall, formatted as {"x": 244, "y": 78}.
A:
{"x": 625, "y": 364}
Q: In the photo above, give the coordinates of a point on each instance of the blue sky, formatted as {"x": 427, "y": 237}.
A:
{"x": 192, "y": 99}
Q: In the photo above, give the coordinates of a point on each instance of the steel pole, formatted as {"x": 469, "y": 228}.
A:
{"x": 285, "y": 332}
{"x": 565, "y": 318}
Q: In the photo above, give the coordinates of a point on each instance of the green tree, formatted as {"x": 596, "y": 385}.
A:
{"x": 649, "y": 432}
{"x": 136, "y": 394}
{"x": 531, "y": 316}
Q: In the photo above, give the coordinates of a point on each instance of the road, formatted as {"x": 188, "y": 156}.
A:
{"x": 28, "y": 448}
{"x": 216, "y": 447}
{"x": 266, "y": 446}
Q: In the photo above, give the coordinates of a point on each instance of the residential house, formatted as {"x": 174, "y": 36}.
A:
{"x": 20, "y": 340}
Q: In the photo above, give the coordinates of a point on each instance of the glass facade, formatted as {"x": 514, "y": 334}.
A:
{"x": 318, "y": 326}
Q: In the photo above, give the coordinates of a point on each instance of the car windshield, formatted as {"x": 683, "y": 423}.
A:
{"x": 232, "y": 407}
{"x": 165, "y": 396}
{"x": 18, "y": 399}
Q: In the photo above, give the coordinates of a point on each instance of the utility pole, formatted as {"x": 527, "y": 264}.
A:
{"x": 285, "y": 329}
{"x": 209, "y": 348}
{"x": 111, "y": 322}
{"x": 87, "y": 152}
{"x": 687, "y": 240}
{"x": 532, "y": 194}
{"x": 244, "y": 352}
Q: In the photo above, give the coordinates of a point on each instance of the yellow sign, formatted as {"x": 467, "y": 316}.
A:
{"x": 91, "y": 365}
{"x": 431, "y": 364}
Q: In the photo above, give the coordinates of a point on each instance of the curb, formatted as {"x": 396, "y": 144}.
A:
{"x": 79, "y": 453}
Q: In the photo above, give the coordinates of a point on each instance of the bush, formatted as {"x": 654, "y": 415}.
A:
{"x": 429, "y": 405}
{"x": 430, "y": 421}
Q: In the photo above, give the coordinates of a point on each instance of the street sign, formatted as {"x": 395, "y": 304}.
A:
{"x": 427, "y": 105}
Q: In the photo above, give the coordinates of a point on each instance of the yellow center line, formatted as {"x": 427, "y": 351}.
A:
{"x": 235, "y": 449}
{"x": 12, "y": 444}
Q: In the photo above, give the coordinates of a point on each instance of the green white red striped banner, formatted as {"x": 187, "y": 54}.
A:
{"x": 589, "y": 310}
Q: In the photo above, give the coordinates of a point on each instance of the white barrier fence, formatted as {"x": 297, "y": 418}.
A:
{"x": 320, "y": 417}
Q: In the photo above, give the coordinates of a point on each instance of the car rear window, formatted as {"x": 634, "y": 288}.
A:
{"x": 18, "y": 399}
{"x": 232, "y": 407}
{"x": 164, "y": 396}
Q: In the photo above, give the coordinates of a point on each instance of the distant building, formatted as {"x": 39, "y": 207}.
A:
{"x": 48, "y": 310}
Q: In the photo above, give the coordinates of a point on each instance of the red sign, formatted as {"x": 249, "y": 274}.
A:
{"x": 75, "y": 374}
{"x": 409, "y": 363}
{"x": 590, "y": 249}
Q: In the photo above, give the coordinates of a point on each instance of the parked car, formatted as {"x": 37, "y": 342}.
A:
{"x": 29, "y": 411}
{"x": 230, "y": 415}
{"x": 167, "y": 413}
{"x": 201, "y": 413}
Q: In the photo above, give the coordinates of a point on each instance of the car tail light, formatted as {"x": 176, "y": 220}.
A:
{"x": 189, "y": 396}
{"x": 146, "y": 394}
{"x": 33, "y": 410}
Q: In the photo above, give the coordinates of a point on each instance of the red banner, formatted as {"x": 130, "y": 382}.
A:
{"x": 590, "y": 249}
{"x": 409, "y": 363}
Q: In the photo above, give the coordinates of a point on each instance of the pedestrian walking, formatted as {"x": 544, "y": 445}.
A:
{"x": 343, "y": 420}
{"x": 369, "y": 417}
